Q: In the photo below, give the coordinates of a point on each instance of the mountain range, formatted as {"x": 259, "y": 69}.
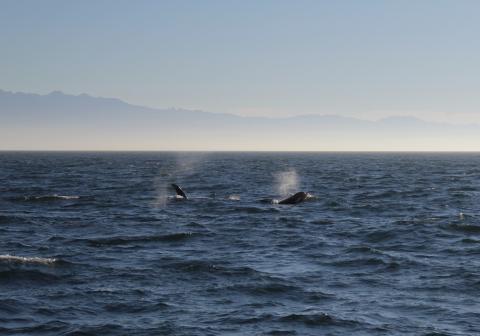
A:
{"x": 59, "y": 121}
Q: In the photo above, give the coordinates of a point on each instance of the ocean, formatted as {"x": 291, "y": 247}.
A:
{"x": 97, "y": 243}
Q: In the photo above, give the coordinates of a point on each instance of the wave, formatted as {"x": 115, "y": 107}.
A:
{"x": 269, "y": 200}
{"x": 322, "y": 221}
{"x": 136, "y": 308}
{"x": 27, "y": 260}
{"x": 5, "y": 219}
{"x": 204, "y": 266}
{"x": 10, "y": 306}
{"x": 317, "y": 319}
{"x": 365, "y": 262}
{"x": 470, "y": 241}
{"x": 233, "y": 198}
{"x": 270, "y": 288}
{"x": 124, "y": 240}
{"x": 50, "y": 328}
{"x": 380, "y": 236}
{"x": 465, "y": 228}
{"x": 309, "y": 319}
{"x": 46, "y": 198}
{"x": 252, "y": 209}
{"x": 284, "y": 291}
{"x": 362, "y": 249}
{"x": 17, "y": 274}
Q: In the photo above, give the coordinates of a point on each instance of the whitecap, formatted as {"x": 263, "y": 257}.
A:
{"x": 27, "y": 260}
{"x": 233, "y": 198}
{"x": 66, "y": 197}
{"x": 50, "y": 197}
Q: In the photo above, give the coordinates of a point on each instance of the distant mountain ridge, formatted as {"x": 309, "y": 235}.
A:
{"x": 59, "y": 121}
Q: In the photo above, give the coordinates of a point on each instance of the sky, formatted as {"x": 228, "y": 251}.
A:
{"x": 366, "y": 59}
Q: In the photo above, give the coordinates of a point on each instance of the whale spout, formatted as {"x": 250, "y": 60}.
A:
{"x": 295, "y": 199}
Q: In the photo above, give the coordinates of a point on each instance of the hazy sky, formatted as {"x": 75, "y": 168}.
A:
{"x": 366, "y": 59}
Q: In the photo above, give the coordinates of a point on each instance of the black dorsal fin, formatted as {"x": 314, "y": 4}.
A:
{"x": 179, "y": 191}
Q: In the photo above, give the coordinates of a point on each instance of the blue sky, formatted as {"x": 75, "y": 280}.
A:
{"x": 366, "y": 59}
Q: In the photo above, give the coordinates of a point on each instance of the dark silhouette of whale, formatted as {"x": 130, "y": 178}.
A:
{"x": 295, "y": 199}
{"x": 179, "y": 191}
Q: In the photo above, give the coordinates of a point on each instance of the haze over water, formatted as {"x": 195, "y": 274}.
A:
{"x": 388, "y": 245}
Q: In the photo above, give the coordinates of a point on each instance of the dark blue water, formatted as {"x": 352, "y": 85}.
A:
{"x": 95, "y": 244}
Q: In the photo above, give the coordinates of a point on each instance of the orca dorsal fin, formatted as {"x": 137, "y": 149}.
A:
{"x": 179, "y": 191}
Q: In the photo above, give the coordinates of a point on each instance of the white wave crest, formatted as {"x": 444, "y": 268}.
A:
{"x": 27, "y": 260}
{"x": 50, "y": 197}
{"x": 66, "y": 197}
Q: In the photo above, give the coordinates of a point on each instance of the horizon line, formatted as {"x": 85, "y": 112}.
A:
{"x": 227, "y": 151}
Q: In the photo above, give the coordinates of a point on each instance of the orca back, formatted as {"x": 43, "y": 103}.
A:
{"x": 294, "y": 199}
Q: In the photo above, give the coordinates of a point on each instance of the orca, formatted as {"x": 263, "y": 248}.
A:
{"x": 179, "y": 191}
{"x": 295, "y": 199}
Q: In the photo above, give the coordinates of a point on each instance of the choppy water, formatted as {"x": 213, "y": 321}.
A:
{"x": 95, "y": 244}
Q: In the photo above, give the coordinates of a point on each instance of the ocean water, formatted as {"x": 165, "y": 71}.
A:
{"x": 98, "y": 244}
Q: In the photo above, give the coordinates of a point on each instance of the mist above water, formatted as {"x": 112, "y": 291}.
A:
{"x": 286, "y": 182}
{"x": 185, "y": 165}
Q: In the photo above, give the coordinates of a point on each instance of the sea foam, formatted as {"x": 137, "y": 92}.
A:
{"x": 27, "y": 260}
